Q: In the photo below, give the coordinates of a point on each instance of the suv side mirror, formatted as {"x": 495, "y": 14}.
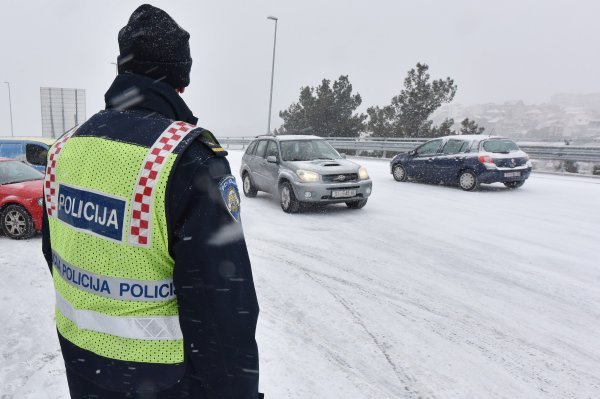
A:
{"x": 413, "y": 152}
{"x": 343, "y": 155}
{"x": 272, "y": 159}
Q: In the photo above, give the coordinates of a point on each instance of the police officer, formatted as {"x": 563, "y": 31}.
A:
{"x": 142, "y": 234}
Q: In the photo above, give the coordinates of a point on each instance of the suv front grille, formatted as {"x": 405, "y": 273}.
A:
{"x": 341, "y": 178}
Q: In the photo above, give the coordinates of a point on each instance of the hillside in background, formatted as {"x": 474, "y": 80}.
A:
{"x": 573, "y": 117}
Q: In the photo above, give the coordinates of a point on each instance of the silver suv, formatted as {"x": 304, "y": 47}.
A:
{"x": 303, "y": 169}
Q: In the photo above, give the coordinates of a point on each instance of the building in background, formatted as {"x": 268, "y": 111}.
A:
{"x": 566, "y": 117}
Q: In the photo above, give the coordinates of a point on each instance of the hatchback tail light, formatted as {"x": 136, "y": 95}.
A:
{"x": 486, "y": 159}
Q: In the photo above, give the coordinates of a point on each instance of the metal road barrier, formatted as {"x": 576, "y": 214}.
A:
{"x": 538, "y": 151}
{"x": 376, "y": 144}
{"x": 564, "y": 153}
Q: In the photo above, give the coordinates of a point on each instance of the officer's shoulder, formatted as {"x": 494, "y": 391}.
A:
{"x": 208, "y": 140}
{"x": 203, "y": 156}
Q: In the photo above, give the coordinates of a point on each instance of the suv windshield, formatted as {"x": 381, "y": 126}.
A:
{"x": 500, "y": 146}
{"x": 307, "y": 150}
{"x": 17, "y": 172}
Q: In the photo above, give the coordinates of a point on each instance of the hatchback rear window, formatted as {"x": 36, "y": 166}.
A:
{"x": 500, "y": 146}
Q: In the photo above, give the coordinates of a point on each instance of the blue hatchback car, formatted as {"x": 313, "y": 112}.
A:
{"x": 30, "y": 150}
{"x": 464, "y": 160}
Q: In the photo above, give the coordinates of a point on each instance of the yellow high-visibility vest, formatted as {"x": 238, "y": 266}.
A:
{"x": 112, "y": 270}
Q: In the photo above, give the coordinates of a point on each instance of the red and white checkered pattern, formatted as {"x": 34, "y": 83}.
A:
{"x": 50, "y": 178}
{"x": 141, "y": 216}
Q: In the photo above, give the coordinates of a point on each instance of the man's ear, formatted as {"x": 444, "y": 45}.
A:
{"x": 180, "y": 90}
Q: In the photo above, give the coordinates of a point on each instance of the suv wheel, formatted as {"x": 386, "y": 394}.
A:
{"x": 514, "y": 184}
{"x": 249, "y": 189}
{"x": 288, "y": 200}
{"x": 467, "y": 180}
{"x": 357, "y": 204}
{"x": 399, "y": 172}
{"x": 16, "y": 222}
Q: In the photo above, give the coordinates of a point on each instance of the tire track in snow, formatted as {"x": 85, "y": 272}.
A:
{"x": 357, "y": 378}
{"x": 524, "y": 360}
{"x": 405, "y": 379}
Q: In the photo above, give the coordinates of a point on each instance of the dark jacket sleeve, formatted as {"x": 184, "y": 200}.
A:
{"x": 46, "y": 246}
{"x": 218, "y": 309}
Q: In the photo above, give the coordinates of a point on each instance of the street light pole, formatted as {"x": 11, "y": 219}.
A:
{"x": 12, "y": 133}
{"x": 272, "y": 73}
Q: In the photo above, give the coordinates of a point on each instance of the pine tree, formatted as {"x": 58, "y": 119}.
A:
{"x": 409, "y": 112}
{"x": 326, "y": 110}
{"x": 470, "y": 127}
{"x": 444, "y": 129}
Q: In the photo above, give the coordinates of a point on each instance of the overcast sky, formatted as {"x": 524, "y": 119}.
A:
{"x": 495, "y": 50}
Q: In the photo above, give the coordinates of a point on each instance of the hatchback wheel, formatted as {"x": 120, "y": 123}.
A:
{"x": 399, "y": 172}
{"x": 17, "y": 223}
{"x": 289, "y": 202}
{"x": 249, "y": 189}
{"x": 514, "y": 184}
{"x": 356, "y": 204}
{"x": 467, "y": 180}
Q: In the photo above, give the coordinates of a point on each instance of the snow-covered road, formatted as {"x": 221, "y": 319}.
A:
{"x": 427, "y": 292}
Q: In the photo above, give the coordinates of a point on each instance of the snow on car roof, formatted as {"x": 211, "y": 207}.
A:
{"x": 44, "y": 140}
{"x": 472, "y": 137}
{"x": 287, "y": 137}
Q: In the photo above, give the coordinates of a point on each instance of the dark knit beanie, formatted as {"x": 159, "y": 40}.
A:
{"x": 153, "y": 45}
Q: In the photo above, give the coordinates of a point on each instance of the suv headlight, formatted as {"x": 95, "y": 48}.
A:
{"x": 362, "y": 174}
{"x": 308, "y": 176}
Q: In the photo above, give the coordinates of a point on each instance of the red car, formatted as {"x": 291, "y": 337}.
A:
{"x": 21, "y": 192}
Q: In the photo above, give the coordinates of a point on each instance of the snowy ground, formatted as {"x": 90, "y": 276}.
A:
{"x": 427, "y": 292}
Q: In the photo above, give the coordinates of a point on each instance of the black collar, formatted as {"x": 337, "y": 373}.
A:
{"x": 140, "y": 93}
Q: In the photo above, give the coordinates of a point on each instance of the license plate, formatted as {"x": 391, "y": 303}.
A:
{"x": 343, "y": 193}
{"x": 512, "y": 174}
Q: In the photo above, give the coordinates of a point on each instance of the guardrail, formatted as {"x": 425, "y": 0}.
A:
{"x": 541, "y": 151}
{"x": 566, "y": 153}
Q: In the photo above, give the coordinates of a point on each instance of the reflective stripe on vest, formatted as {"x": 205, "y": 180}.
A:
{"x": 50, "y": 178}
{"x": 141, "y": 218}
{"x": 152, "y": 328}
{"x": 113, "y": 287}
